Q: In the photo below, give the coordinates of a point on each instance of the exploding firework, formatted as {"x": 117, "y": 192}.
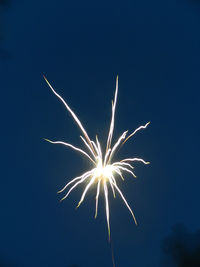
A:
{"x": 105, "y": 171}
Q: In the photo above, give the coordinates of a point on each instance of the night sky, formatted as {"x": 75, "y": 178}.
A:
{"x": 154, "y": 47}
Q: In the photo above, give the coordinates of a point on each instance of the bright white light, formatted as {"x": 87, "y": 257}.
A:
{"x": 105, "y": 172}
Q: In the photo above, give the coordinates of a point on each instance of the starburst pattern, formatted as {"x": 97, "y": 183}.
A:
{"x": 105, "y": 171}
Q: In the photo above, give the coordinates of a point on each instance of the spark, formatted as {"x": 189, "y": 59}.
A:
{"x": 104, "y": 172}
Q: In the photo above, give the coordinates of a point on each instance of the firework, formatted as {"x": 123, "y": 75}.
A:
{"x": 105, "y": 171}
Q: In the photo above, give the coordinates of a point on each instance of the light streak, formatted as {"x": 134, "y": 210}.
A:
{"x": 105, "y": 172}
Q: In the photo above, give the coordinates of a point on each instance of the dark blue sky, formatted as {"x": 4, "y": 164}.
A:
{"x": 154, "y": 46}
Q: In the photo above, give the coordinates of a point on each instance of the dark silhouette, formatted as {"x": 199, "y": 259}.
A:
{"x": 181, "y": 248}
{"x": 7, "y": 263}
{"x": 195, "y": 1}
{"x": 3, "y": 52}
{"x": 4, "y": 2}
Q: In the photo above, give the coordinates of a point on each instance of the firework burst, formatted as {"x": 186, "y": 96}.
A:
{"x": 105, "y": 171}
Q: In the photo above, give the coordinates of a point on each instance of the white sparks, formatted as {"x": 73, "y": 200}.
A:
{"x": 105, "y": 172}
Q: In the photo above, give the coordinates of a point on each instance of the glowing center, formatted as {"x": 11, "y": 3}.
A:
{"x": 103, "y": 172}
